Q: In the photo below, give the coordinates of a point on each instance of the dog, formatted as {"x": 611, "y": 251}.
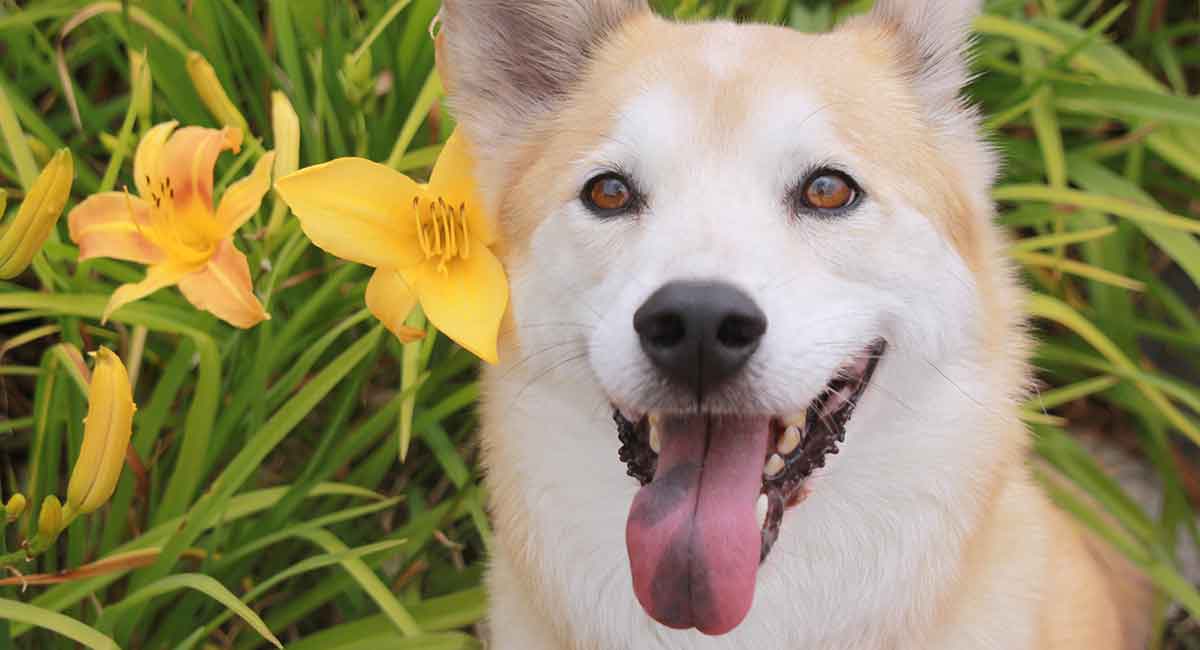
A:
{"x": 761, "y": 371}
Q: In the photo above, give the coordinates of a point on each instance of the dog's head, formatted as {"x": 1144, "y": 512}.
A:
{"x": 736, "y": 227}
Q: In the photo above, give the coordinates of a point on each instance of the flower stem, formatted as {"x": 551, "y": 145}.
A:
{"x": 410, "y": 370}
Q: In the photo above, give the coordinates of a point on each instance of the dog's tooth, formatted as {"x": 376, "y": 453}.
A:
{"x": 790, "y": 440}
{"x": 774, "y": 467}
{"x": 655, "y": 435}
{"x": 761, "y": 509}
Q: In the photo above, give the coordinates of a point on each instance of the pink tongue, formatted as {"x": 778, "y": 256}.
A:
{"x": 692, "y": 535}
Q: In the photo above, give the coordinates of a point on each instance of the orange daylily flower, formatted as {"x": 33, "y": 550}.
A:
{"x": 428, "y": 243}
{"x": 173, "y": 227}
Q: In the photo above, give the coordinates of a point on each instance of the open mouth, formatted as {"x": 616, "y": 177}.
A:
{"x": 715, "y": 488}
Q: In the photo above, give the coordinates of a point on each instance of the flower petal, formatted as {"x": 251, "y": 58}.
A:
{"x": 453, "y": 179}
{"x": 188, "y": 160}
{"x": 243, "y": 198}
{"x": 157, "y": 277}
{"x": 146, "y": 166}
{"x": 467, "y": 302}
{"x": 113, "y": 224}
{"x": 357, "y": 210}
{"x": 223, "y": 287}
{"x": 391, "y": 300}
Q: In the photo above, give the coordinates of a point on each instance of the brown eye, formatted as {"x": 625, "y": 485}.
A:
{"x": 608, "y": 195}
{"x": 828, "y": 190}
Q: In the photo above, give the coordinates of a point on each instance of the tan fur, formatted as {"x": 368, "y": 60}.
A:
{"x": 1086, "y": 598}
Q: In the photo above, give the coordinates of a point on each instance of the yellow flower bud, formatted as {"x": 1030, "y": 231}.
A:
{"x": 50, "y": 519}
{"x": 23, "y": 237}
{"x": 15, "y": 507}
{"x": 106, "y": 433}
{"x": 287, "y": 135}
{"x": 208, "y": 86}
{"x": 142, "y": 84}
{"x": 3, "y": 204}
{"x": 287, "y": 151}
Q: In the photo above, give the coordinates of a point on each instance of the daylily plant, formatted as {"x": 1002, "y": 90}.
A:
{"x": 173, "y": 227}
{"x": 428, "y": 243}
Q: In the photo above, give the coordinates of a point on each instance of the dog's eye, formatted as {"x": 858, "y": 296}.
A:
{"x": 828, "y": 190}
{"x": 608, "y": 195}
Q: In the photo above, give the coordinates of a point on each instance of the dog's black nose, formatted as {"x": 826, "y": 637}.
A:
{"x": 699, "y": 334}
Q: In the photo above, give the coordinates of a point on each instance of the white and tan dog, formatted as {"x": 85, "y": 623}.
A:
{"x": 764, "y": 354}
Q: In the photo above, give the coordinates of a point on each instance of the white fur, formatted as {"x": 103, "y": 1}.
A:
{"x": 887, "y": 516}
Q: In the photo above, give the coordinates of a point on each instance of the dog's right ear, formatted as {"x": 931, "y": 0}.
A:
{"x": 506, "y": 63}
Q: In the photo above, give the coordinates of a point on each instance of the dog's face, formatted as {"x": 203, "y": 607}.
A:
{"x": 736, "y": 228}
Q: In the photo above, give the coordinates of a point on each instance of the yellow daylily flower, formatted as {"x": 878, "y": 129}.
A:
{"x": 428, "y": 243}
{"x": 173, "y": 227}
{"x": 106, "y": 433}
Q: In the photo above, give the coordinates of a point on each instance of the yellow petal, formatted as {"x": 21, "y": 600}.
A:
{"x": 158, "y": 277}
{"x": 391, "y": 300}
{"x": 188, "y": 160}
{"x": 453, "y": 179}
{"x": 466, "y": 303}
{"x": 146, "y": 162}
{"x": 106, "y": 433}
{"x": 243, "y": 198}
{"x": 113, "y": 225}
{"x": 357, "y": 210}
{"x": 223, "y": 287}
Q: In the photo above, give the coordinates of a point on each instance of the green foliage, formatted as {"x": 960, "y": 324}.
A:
{"x": 265, "y": 454}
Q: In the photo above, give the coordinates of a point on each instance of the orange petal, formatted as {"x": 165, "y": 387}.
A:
{"x": 188, "y": 159}
{"x": 157, "y": 277}
{"x": 357, "y": 210}
{"x": 453, "y": 179}
{"x": 146, "y": 162}
{"x": 243, "y": 198}
{"x": 112, "y": 225}
{"x": 467, "y": 302}
{"x": 391, "y": 300}
{"x": 223, "y": 287}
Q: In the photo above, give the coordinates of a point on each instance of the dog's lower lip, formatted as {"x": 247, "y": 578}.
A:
{"x": 800, "y": 444}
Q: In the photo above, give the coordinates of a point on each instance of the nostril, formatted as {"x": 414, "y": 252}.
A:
{"x": 741, "y": 331}
{"x": 664, "y": 330}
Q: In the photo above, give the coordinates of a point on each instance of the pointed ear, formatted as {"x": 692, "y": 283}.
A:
{"x": 933, "y": 37}
{"x": 507, "y": 62}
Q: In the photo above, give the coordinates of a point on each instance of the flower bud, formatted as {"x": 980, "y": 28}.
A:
{"x": 142, "y": 84}
{"x": 50, "y": 519}
{"x": 287, "y": 135}
{"x": 106, "y": 433}
{"x": 15, "y": 507}
{"x": 21, "y": 239}
{"x": 208, "y": 86}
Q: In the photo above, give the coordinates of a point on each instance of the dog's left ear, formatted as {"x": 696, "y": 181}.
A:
{"x": 932, "y": 37}
{"x": 508, "y": 63}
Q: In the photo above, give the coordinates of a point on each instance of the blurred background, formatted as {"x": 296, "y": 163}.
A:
{"x": 266, "y": 461}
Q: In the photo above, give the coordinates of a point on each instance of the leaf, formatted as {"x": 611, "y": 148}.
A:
{"x": 66, "y": 626}
{"x": 199, "y": 582}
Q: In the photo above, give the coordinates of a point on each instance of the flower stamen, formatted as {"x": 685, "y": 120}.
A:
{"x": 442, "y": 231}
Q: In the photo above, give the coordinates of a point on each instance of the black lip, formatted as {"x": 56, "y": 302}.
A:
{"x": 824, "y": 430}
